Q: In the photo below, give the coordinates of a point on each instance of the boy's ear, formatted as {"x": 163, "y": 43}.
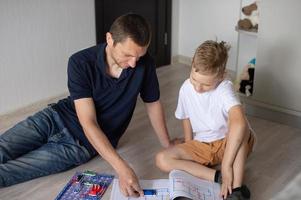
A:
{"x": 225, "y": 74}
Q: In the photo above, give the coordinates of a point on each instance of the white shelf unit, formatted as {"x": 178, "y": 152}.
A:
{"x": 246, "y": 44}
{"x": 276, "y": 90}
{"x": 251, "y": 33}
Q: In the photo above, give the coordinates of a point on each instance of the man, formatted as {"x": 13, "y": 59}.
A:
{"x": 104, "y": 82}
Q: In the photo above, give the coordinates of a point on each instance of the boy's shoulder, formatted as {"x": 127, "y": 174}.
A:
{"x": 186, "y": 85}
{"x": 225, "y": 85}
{"x": 224, "y": 89}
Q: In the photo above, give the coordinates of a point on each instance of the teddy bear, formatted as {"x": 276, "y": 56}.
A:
{"x": 251, "y": 20}
{"x": 247, "y": 78}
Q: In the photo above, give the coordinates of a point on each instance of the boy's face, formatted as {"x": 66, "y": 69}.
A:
{"x": 204, "y": 82}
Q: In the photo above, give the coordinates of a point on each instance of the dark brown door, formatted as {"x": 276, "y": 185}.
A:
{"x": 157, "y": 12}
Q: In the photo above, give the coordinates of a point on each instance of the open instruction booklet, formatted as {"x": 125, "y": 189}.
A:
{"x": 179, "y": 184}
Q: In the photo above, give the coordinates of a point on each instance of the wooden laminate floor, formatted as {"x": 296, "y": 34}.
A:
{"x": 274, "y": 164}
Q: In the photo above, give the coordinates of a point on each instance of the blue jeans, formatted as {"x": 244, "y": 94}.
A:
{"x": 38, "y": 146}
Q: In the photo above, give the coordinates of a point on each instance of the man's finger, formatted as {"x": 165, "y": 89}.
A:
{"x": 132, "y": 192}
{"x": 138, "y": 189}
{"x": 124, "y": 192}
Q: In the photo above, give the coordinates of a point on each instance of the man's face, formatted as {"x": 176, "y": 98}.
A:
{"x": 126, "y": 53}
{"x": 203, "y": 82}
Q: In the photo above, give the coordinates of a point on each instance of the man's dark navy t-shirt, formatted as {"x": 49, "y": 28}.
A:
{"x": 114, "y": 98}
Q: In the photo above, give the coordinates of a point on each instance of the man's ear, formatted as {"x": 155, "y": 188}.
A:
{"x": 109, "y": 39}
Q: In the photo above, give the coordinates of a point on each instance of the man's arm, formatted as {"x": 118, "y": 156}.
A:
{"x": 156, "y": 116}
{"x": 237, "y": 129}
{"x": 86, "y": 113}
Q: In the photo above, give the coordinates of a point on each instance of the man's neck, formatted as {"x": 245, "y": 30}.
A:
{"x": 113, "y": 69}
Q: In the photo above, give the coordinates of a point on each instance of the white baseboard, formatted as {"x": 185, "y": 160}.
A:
{"x": 9, "y": 119}
{"x": 272, "y": 113}
{"x": 34, "y": 106}
{"x": 182, "y": 59}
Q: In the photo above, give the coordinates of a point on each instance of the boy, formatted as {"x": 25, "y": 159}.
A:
{"x": 209, "y": 108}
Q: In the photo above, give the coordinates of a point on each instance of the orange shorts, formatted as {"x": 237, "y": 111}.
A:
{"x": 210, "y": 154}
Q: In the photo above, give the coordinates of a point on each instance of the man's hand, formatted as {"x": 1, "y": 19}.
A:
{"x": 227, "y": 178}
{"x": 128, "y": 182}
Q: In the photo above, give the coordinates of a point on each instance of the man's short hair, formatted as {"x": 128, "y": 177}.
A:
{"x": 131, "y": 26}
{"x": 211, "y": 57}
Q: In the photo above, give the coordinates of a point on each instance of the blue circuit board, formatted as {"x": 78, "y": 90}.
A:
{"x": 86, "y": 185}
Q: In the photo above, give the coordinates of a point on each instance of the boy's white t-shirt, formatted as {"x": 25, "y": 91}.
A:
{"x": 208, "y": 111}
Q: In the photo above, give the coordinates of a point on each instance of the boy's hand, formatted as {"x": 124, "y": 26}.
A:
{"x": 227, "y": 180}
{"x": 176, "y": 141}
{"x": 128, "y": 182}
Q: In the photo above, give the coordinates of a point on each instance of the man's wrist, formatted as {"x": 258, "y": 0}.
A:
{"x": 119, "y": 165}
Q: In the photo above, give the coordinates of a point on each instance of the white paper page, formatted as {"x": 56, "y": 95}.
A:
{"x": 184, "y": 184}
{"x": 160, "y": 185}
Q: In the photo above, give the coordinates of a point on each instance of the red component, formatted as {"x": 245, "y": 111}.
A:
{"x": 95, "y": 190}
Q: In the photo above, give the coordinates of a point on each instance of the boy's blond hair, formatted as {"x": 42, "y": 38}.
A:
{"x": 211, "y": 58}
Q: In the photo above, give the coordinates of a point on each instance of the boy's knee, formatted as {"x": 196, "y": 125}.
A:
{"x": 162, "y": 160}
{"x": 247, "y": 136}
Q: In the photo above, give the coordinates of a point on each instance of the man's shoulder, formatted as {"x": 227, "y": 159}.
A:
{"x": 87, "y": 54}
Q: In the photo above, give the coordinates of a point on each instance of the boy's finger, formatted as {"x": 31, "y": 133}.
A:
{"x": 230, "y": 189}
{"x": 224, "y": 196}
{"x": 224, "y": 191}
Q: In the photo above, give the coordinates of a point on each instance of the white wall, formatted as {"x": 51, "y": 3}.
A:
{"x": 200, "y": 20}
{"x": 277, "y": 74}
{"x": 36, "y": 40}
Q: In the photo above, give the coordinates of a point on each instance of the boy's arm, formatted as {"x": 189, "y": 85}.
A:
{"x": 187, "y": 129}
{"x": 237, "y": 128}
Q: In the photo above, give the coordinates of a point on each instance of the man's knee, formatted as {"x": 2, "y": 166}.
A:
{"x": 2, "y": 157}
{"x": 2, "y": 182}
